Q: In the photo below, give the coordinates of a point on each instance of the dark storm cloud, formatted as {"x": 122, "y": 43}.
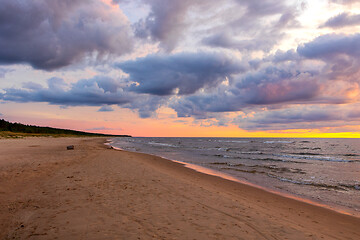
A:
{"x": 186, "y": 72}
{"x": 50, "y": 34}
{"x": 343, "y": 20}
{"x": 86, "y": 92}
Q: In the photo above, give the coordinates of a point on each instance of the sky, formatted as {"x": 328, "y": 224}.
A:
{"x": 186, "y": 68}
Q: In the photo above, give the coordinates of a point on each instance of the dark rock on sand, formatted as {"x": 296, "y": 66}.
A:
{"x": 71, "y": 147}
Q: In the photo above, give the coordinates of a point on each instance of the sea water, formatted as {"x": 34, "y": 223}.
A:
{"x": 326, "y": 171}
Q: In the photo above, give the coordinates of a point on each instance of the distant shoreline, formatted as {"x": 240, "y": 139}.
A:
{"x": 9, "y": 129}
{"x": 7, "y": 134}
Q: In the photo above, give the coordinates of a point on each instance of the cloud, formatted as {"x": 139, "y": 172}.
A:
{"x": 284, "y": 56}
{"x": 107, "y": 84}
{"x": 227, "y": 40}
{"x": 183, "y": 72}
{"x": 300, "y": 117}
{"x": 86, "y": 92}
{"x": 269, "y": 85}
{"x": 59, "y": 33}
{"x": 263, "y": 8}
{"x": 259, "y": 25}
{"x": 339, "y": 52}
{"x": 273, "y": 85}
{"x": 146, "y": 105}
{"x": 4, "y": 71}
{"x": 323, "y": 71}
{"x": 102, "y": 128}
{"x": 166, "y": 21}
{"x": 98, "y": 91}
{"x": 106, "y": 108}
{"x": 240, "y": 24}
{"x": 331, "y": 45}
{"x": 343, "y": 20}
{"x": 345, "y": 2}
{"x": 205, "y": 85}
{"x": 285, "y": 119}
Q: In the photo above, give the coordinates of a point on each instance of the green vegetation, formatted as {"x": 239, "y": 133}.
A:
{"x": 15, "y": 130}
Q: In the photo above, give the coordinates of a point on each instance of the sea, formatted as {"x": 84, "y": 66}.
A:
{"x": 323, "y": 171}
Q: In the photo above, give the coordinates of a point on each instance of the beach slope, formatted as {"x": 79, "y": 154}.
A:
{"x": 92, "y": 192}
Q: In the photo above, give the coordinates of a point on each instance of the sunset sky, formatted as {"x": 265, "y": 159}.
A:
{"x": 216, "y": 68}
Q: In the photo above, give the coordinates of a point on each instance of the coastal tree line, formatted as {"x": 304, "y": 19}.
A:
{"x": 22, "y": 128}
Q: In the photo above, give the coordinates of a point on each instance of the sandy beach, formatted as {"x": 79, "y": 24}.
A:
{"x": 93, "y": 192}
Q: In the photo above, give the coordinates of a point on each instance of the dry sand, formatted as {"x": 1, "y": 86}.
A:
{"x": 92, "y": 192}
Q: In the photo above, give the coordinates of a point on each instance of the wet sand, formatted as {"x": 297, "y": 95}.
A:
{"x": 92, "y": 192}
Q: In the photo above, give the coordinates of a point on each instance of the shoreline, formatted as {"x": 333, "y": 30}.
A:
{"x": 93, "y": 192}
{"x": 208, "y": 171}
{"x": 211, "y": 172}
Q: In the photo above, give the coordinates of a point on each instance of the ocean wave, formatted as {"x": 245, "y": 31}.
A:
{"x": 219, "y": 163}
{"x": 309, "y": 183}
{"x": 223, "y": 149}
{"x": 264, "y": 169}
{"x": 162, "y": 144}
{"x": 275, "y": 160}
{"x": 351, "y": 186}
{"x": 280, "y": 169}
{"x": 244, "y": 170}
{"x": 270, "y": 142}
{"x": 227, "y": 164}
{"x": 252, "y": 152}
{"x": 307, "y": 154}
{"x": 256, "y": 158}
{"x": 312, "y": 157}
{"x": 221, "y": 155}
{"x": 351, "y": 155}
{"x": 233, "y": 141}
